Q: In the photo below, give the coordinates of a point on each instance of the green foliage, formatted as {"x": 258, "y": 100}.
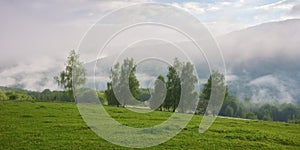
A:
{"x": 173, "y": 90}
{"x": 17, "y": 95}
{"x": 144, "y": 94}
{"x": 229, "y": 111}
{"x": 289, "y": 112}
{"x": 133, "y": 82}
{"x": 265, "y": 112}
{"x": 73, "y": 75}
{"x": 102, "y": 97}
{"x": 48, "y": 95}
{"x": 158, "y": 95}
{"x": 232, "y": 102}
{"x": 268, "y": 112}
{"x": 110, "y": 96}
{"x": 110, "y": 91}
{"x": 88, "y": 95}
{"x": 204, "y": 96}
{"x": 178, "y": 66}
{"x": 240, "y": 113}
{"x": 251, "y": 115}
{"x": 181, "y": 76}
{"x": 180, "y": 84}
{"x": 216, "y": 82}
{"x": 3, "y": 96}
{"x": 92, "y": 96}
{"x": 127, "y": 77}
{"x": 188, "y": 81}
{"x": 120, "y": 79}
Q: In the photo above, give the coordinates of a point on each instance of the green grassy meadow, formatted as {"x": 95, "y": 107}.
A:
{"x": 50, "y": 125}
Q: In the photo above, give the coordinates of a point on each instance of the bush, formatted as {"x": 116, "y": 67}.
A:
{"x": 251, "y": 115}
{"x": 3, "y": 96}
{"x": 229, "y": 111}
{"x": 17, "y": 95}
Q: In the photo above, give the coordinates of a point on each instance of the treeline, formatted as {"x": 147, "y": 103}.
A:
{"x": 286, "y": 112}
{"x": 173, "y": 92}
{"x": 123, "y": 89}
{"x": 46, "y": 95}
{"x": 167, "y": 94}
{"x": 16, "y": 94}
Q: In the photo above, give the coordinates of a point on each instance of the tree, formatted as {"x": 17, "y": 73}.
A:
{"x": 188, "y": 94}
{"x": 73, "y": 75}
{"x": 173, "y": 90}
{"x": 231, "y": 101}
{"x": 240, "y": 113}
{"x": 134, "y": 84}
{"x": 3, "y": 96}
{"x": 289, "y": 112}
{"x": 221, "y": 91}
{"x": 159, "y": 93}
{"x": 46, "y": 95}
{"x": 178, "y": 66}
{"x": 110, "y": 91}
{"x": 128, "y": 78}
{"x": 110, "y": 96}
{"x": 251, "y": 115}
{"x": 144, "y": 94}
{"x": 204, "y": 97}
{"x": 229, "y": 111}
{"x": 17, "y": 95}
{"x": 123, "y": 85}
{"x": 101, "y": 96}
{"x": 266, "y": 112}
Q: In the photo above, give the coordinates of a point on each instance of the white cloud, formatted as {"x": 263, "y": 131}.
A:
{"x": 36, "y": 75}
{"x": 295, "y": 11}
{"x": 192, "y": 7}
{"x": 231, "y": 77}
{"x": 275, "y": 5}
{"x": 264, "y": 86}
{"x": 213, "y": 8}
{"x": 36, "y": 37}
{"x": 235, "y": 15}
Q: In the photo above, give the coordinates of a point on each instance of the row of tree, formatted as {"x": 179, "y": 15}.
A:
{"x": 234, "y": 107}
{"x": 178, "y": 91}
{"x": 175, "y": 93}
{"x": 14, "y": 95}
{"x": 179, "y": 84}
{"x": 46, "y": 95}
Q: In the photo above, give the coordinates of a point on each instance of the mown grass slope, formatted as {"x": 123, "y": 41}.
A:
{"x": 49, "y": 125}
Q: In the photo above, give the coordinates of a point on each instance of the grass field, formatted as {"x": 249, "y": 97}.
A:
{"x": 49, "y": 125}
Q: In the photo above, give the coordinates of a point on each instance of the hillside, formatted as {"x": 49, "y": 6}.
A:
{"x": 42, "y": 125}
{"x": 262, "y": 61}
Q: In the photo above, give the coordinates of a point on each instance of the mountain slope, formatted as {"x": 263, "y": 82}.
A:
{"x": 265, "y": 60}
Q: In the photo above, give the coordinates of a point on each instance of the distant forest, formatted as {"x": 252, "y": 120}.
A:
{"x": 232, "y": 106}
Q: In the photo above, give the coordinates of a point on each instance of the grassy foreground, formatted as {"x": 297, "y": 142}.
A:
{"x": 43, "y": 125}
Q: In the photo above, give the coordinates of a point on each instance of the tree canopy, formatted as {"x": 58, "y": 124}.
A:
{"x": 74, "y": 74}
{"x": 3, "y": 96}
{"x": 124, "y": 86}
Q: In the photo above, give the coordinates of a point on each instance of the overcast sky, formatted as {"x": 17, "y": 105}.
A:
{"x": 36, "y": 36}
